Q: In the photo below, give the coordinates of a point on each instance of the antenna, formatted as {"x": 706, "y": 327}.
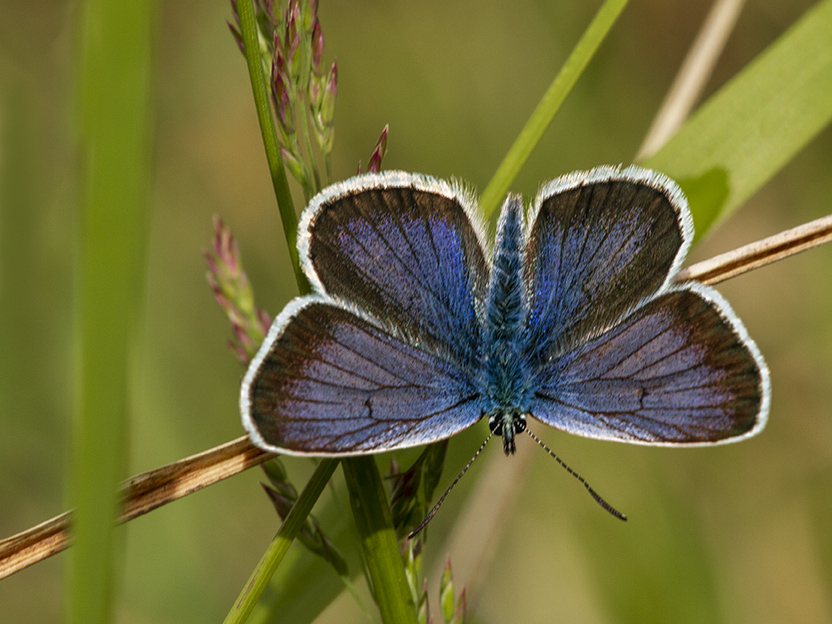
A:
{"x": 436, "y": 507}
{"x": 592, "y": 492}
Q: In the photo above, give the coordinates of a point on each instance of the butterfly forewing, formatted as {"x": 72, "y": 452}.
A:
{"x": 332, "y": 382}
{"x": 407, "y": 250}
{"x": 601, "y": 242}
{"x": 679, "y": 370}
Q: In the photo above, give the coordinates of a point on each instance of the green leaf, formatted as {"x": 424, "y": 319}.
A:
{"x": 756, "y": 123}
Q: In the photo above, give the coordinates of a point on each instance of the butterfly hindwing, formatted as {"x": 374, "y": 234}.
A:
{"x": 679, "y": 370}
{"x": 331, "y": 382}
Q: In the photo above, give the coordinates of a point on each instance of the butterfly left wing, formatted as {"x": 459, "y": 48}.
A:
{"x": 681, "y": 370}
{"x": 328, "y": 381}
{"x": 405, "y": 248}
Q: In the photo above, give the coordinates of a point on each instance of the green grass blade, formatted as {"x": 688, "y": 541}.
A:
{"x": 756, "y": 123}
{"x": 114, "y": 117}
{"x": 304, "y": 584}
{"x": 285, "y": 536}
{"x": 549, "y": 105}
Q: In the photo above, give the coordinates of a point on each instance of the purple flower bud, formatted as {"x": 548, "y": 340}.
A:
{"x": 291, "y": 40}
{"x": 239, "y": 352}
{"x": 242, "y": 336}
{"x": 281, "y": 96}
{"x": 232, "y": 292}
{"x": 238, "y": 37}
{"x": 263, "y": 321}
{"x": 374, "y": 166}
{"x": 316, "y": 95}
{"x": 317, "y": 48}
{"x": 212, "y": 268}
{"x": 295, "y": 166}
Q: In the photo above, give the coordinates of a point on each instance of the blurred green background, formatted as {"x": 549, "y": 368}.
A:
{"x": 738, "y": 533}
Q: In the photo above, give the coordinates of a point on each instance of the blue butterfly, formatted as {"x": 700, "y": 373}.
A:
{"x": 415, "y": 331}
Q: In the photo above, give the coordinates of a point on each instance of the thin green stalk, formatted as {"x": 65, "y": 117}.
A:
{"x": 549, "y": 105}
{"x": 381, "y": 553}
{"x": 285, "y": 205}
{"x": 371, "y": 511}
{"x": 259, "y": 579}
{"x": 115, "y": 130}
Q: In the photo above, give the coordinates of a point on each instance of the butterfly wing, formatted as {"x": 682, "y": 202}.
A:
{"x": 329, "y": 381}
{"x": 408, "y": 250}
{"x": 601, "y": 242}
{"x": 679, "y": 370}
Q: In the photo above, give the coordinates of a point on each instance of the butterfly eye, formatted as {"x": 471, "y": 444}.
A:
{"x": 507, "y": 423}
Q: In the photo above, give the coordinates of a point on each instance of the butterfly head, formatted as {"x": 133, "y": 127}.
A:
{"x": 507, "y": 423}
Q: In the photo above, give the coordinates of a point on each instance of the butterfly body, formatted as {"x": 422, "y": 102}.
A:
{"x": 416, "y": 332}
{"x": 505, "y": 375}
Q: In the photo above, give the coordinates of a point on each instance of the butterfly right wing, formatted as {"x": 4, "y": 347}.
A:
{"x": 600, "y": 243}
{"x": 329, "y": 381}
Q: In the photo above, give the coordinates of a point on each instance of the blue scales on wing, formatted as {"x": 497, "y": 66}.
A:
{"x": 615, "y": 351}
{"x": 385, "y": 355}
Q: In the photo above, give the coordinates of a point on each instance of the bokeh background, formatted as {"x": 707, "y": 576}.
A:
{"x": 738, "y": 533}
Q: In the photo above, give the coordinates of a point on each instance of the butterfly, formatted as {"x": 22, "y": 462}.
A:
{"x": 416, "y": 330}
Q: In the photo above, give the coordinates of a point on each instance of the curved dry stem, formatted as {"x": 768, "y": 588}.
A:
{"x": 141, "y": 494}
{"x": 763, "y": 252}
